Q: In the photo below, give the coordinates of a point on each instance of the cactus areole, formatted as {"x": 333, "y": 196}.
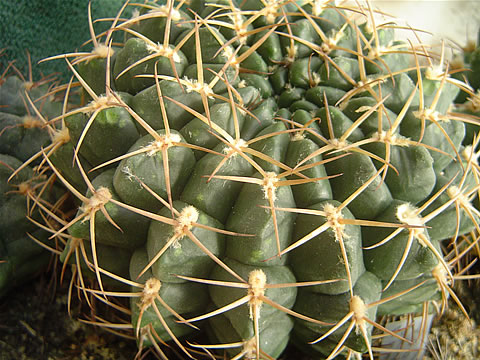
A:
{"x": 261, "y": 174}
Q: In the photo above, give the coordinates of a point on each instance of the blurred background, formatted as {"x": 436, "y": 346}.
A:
{"x": 51, "y": 27}
{"x": 455, "y": 21}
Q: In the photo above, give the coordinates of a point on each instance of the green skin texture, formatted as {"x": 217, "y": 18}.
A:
{"x": 134, "y": 227}
{"x": 97, "y": 149}
{"x": 411, "y": 302}
{"x": 134, "y": 51}
{"x": 146, "y": 104}
{"x": 196, "y": 131}
{"x": 149, "y": 169}
{"x": 332, "y": 266}
{"x": 239, "y": 317}
{"x": 334, "y": 308}
{"x": 177, "y": 259}
{"x": 186, "y": 297}
{"x": 470, "y": 63}
{"x": 22, "y": 258}
{"x": 385, "y": 259}
{"x": 242, "y": 208}
{"x": 16, "y": 139}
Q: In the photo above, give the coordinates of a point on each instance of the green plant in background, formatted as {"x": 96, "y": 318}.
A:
{"x": 253, "y": 175}
{"x": 468, "y": 62}
{"x": 20, "y": 257}
{"x": 467, "y": 69}
{"x": 46, "y": 28}
{"x": 23, "y": 133}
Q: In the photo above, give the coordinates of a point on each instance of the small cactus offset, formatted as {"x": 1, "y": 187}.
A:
{"x": 466, "y": 67}
{"x": 252, "y": 174}
{"x": 23, "y": 133}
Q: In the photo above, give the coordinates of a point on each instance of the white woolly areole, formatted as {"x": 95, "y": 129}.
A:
{"x": 331, "y": 42}
{"x": 61, "y": 136}
{"x": 29, "y": 121}
{"x": 454, "y": 192}
{"x": 407, "y": 214}
{"x": 338, "y": 144}
{"x": 316, "y": 78}
{"x": 363, "y": 108}
{"x": 166, "y": 51}
{"x": 377, "y": 52}
{"x": 334, "y": 217}
{"x": 468, "y": 154}
{"x": 390, "y": 138}
{"x": 101, "y": 196}
{"x": 165, "y": 141}
{"x": 270, "y": 10}
{"x": 430, "y": 114}
{"x": 102, "y": 102}
{"x": 257, "y": 281}
{"x": 369, "y": 27}
{"x": 135, "y": 13}
{"x": 228, "y": 51}
{"x": 319, "y": 6}
{"x": 291, "y": 53}
{"x": 270, "y": 185}
{"x": 240, "y": 27}
{"x": 250, "y": 349}
{"x": 102, "y": 51}
{"x": 359, "y": 309}
{"x": 272, "y": 68}
{"x": 150, "y": 291}
{"x": 435, "y": 72}
{"x": 439, "y": 273}
{"x": 297, "y": 137}
{"x": 187, "y": 217}
{"x": 28, "y": 85}
{"x": 239, "y": 144}
{"x": 130, "y": 175}
{"x": 196, "y": 86}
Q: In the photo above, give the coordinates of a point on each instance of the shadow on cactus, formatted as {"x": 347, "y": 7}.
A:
{"x": 258, "y": 175}
{"x": 27, "y": 193}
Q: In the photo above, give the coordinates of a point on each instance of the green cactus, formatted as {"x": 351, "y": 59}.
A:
{"x": 22, "y": 130}
{"x": 23, "y": 133}
{"x": 466, "y": 68}
{"x": 20, "y": 257}
{"x": 266, "y": 172}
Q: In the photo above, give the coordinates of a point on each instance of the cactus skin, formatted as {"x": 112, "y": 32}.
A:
{"x": 467, "y": 67}
{"x": 244, "y": 163}
{"x": 22, "y": 135}
{"x": 22, "y": 132}
{"x": 20, "y": 257}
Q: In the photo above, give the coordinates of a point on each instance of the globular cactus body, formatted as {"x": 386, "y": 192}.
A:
{"x": 22, "y": 135}
{"x": 263, "y": 171}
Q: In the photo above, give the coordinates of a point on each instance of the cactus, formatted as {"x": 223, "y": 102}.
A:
{"x": 263, "y": 173}
{"x": 467, "y": 68}
{"x": 23, "y": 133}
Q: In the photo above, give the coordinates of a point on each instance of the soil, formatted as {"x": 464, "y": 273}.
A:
{"x": 35, "y": 325}
{"x": 454, "y": 336}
